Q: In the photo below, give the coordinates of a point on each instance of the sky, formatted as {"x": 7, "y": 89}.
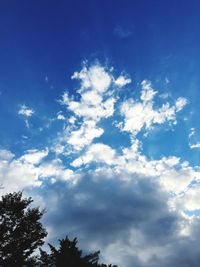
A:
{"x": 99, "y": 115}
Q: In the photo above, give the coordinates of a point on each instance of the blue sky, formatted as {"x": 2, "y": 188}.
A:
{"x": 99, "y": 114}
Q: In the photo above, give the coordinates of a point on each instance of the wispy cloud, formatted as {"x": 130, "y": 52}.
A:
{"x": 122, "y": 32}
{"x": 192, "y": 142}
{"x": 26, "y": 112}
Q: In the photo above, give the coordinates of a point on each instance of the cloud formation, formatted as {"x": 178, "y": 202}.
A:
{"x": 128, "y": 219}
{"x": 141, "y": 114}
{"x": 97, "y": 102}
{"x": 25, "y": 111}
{"x": 193, "y": 143}
{"x": 138, "y": 210}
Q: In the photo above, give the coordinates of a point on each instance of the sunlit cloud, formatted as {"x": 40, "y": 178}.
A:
{"x": 111, "y": 192}
{"x": 25, "y": 111}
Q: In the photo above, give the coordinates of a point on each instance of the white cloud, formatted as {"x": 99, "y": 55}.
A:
{"x": 16, "y": 175}
{"x": 140, "y": 115}
{"x": 193, "y": 145}
{"x": 28, "y": 170}
{"x": 84, "y": 135}
{"x": 34, "y": 156}
{"x": 6, "y": 155}
{"x": 96, "y": 102}
{"x": 55, "y": 170}
{"x": 165, "y": 95}
{"x": 94, "y": 77}
{"x": 122, "y": 81}
{"x": 89, "y": 109}
{"x": 72, "y": 120}
{"x": 192, "y": 132}
{"x": 58, "y": 149}
{"x": 60, "y": 117}
{"x": 96, "y": 153}
{"x": 91, "y": 98}
{"x": 197, "y": 145}
{"x": 180, "y": 103}
{"x": 147, "y": 93}
{"x": 26, "y": 111}
{"x": 189, "y": 201}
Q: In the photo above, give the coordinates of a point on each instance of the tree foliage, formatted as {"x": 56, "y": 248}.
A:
{"x": 69, "y": 255}
{"x": 21, "y": 232}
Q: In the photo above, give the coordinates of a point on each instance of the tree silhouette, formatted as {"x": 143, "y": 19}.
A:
{"x": 21, "y": 232}
{"x": 69, "y": 255}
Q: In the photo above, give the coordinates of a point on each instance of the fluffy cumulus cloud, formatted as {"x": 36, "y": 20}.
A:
{"x": 97, "y": 153}
{"x": 96, "y": 103}
{"x": 121, "y": 81}
{"x": 29, "y": 170}
{"x": 141, "y": 114}
{"x": 34, "y": 156}
{"x": 25, "y": 111}
{"x": 97, "y": 182}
